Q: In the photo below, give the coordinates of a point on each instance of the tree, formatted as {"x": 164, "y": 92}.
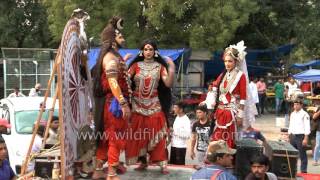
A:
{"x": 284, "y": 22}
{"x": 174, "y": 23}
{"x": 308, "y": 30}
{"x": 99, "y": 11}
{"x": 23, "y": 24}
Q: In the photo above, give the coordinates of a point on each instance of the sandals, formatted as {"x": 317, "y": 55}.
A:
{"x": 99, "y": 176}
{"x": 315, "y": 163}
{"x": 121, "y": 169}
{"x": 164, "y": 170}
{"x": 141, "y": 167}
{"x": 112, "y": 171}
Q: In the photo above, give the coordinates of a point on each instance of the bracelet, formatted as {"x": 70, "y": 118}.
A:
{"x": 98, "y": 169}
{"x": 240, "y": 113}
{"x": 123, "y": 103}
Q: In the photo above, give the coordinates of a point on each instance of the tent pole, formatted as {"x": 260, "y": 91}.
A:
{"x": 311, "y": 88}
{"x": 181, "y": 81}
{"x": 310, "y": 67}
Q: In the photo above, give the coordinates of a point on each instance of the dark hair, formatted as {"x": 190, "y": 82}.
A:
{"x": 41, "y": 130}
{"x": 108, "y": 36}
{"x": 214, "y": 156}
{"x": 260, "y": 159}
{"x": 164, "y": 92}
{"x": 202, "y": 108}
{"x": 180, "y": 104}
{"x": 2, "y": 140}
{"x": 298, "y": 100}
{"x": 54, "y": 118}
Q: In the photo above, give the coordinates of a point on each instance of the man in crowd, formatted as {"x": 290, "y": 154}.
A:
{"x": 37, "y": 143}
{"x": 53, "y": 137}
{"x": 210, "y": 98}
{"x": 16, "y": 93}
{"x": 36, "y": 91}
{"x": 262, "y": 88}
{"x": 259, "y": 168}
{"x": 290, "y": 87}
{"x": 6, "y": 172}
{"x": 181, "y": 133}
{"x": 220, "y": 157}
{"x": 299, "y": 130}
{"x": 316, "y": 90}
{"x": 316, "y": 152}
{"x": 254, "y": 91}
{"x": 279, "y": 95}
{"x": 252, "y": 133}
{"x": 200, "y": 135}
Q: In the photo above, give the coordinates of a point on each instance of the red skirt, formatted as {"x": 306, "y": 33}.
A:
{"x": 147, "y": 135}
{"x": 113, "y": 140}
{"x": 223, "y": 117}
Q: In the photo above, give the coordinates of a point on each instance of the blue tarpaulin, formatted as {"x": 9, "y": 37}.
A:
{"x": 259, "y": 61}
{"x": 311, "y": 63}
{"x": 308, "y": 75}
{"x": 174, "y": 54}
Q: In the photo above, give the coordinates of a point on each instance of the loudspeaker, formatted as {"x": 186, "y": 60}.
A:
{"x": 283, "y": 157}
{"x": 43, "y": 168}
{"x": 246, "y": 149}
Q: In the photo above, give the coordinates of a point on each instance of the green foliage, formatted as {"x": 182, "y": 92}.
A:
{"x": 174, "y": 23}
{"x": 283, "y": 22}
{"x": 23, "y": 24}
{"x": 209, "y": 24}
{"x": 198, "y": 23}
{"x": 99, "y": 11}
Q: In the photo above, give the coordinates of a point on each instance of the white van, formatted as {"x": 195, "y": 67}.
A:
{"x": 21, "y": 113}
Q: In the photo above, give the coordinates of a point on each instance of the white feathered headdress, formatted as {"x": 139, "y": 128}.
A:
{"x": 240, "y": 52}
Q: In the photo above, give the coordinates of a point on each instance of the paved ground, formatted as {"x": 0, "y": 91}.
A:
{"x": 153, "y": 173}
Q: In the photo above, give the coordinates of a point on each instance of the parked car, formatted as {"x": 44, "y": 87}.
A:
{"x": 21, "y": 113}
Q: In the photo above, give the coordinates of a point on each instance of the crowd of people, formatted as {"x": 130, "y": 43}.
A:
{"x": 135, "y": 101}
{"x": 138, "y": 100}
{"x": 290, "y": 99}
{"x": 34, "y": 92}
{"x": 6, "y": 171}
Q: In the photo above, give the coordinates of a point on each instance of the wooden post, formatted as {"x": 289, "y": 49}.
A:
{"x": 62, "y": 133}
{"x": 27, "y": 158}
{"x": 50, "y": 119}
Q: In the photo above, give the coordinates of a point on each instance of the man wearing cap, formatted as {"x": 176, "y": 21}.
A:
{"x": 36, "y": 91}
{"x": 4, "y": 125}
{"x": 220, "y": 157}
{"x": 299, "y": 130}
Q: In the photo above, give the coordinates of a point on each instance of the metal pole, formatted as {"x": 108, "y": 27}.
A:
{"x": 181, "y": 73}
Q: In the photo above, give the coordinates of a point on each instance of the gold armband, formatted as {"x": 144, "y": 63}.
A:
{"x": 111, "y": 69}
{"x": 116, "y": 91}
